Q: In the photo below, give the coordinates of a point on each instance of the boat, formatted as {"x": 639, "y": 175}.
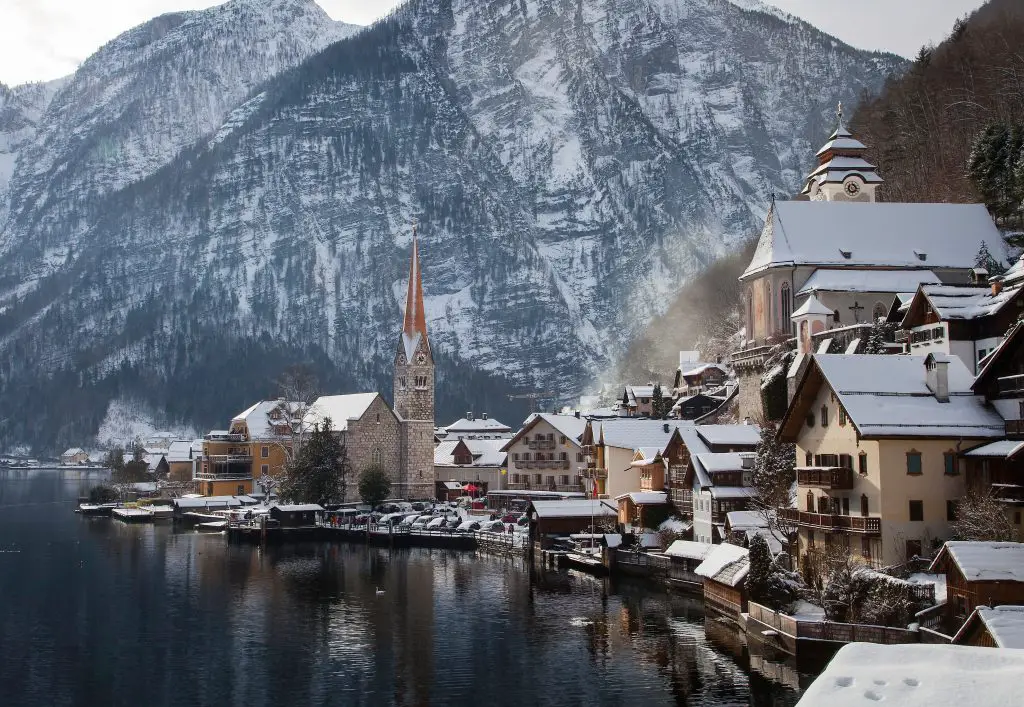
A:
{"x": 132, "y": 515}
{"x": 192, "y": 518}
{"x": 213, "y": 526}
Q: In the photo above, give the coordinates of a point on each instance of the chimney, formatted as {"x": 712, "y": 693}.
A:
{"x": 469, "y": 415}
{"x": 577, "y": 414}
{"x": 997, "y": 286}
{"x": 937, "y": 376}
{"x": 483, "y": 416}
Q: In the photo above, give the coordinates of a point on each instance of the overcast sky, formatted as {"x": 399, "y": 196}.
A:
{"x": 45, "y": 39}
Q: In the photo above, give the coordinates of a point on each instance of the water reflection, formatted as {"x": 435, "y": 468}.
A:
{"x": 99, "y": 612}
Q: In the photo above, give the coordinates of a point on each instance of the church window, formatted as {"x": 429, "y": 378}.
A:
{"x": 402, "y": 381}
{"x": 835, "y": 316}
{"x": 786, "y": 302}
{"x": 750, "y": 315}
{"x": 376, "y": 456}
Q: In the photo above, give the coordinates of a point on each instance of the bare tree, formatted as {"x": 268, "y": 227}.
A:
{"x": 981, "y": 516}
{"x": 292, "y": 419}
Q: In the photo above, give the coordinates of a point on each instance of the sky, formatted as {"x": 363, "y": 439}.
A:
{"x": 46, "y": 39}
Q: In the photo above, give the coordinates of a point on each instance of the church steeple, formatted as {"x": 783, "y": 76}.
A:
{"x": 414, "y": 328}
{"x": 842, "y": 173}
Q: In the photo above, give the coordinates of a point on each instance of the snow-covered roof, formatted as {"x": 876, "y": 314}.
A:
{"x": 257, "y": 417}
{"x": 486, "y": 425}
{"x": 882, "y": 234}
{"x": 340, "y": 408}
{"x": 726, "y": 563}
{"x": 689, "y": 549}
{"x": 73, "y": 452}
{"x": 887, "y": 396}
{"x": 301, "y": 508}
{"x": 1000, "y": 449}
{"x": 917, "y": 675}
{"x": 568, "y": 425}
{"x": 732, "y": 492}
{"x": 179, "y": 451}
{"x": 486, "y": 452}
{"x": 841, "y": 142}
{"x": 638, "y": 432}
{"x": 730, "y": 435}
{"x": 633, "y": 392}
{"x": 984, "y": 561}
{"x": 645, "y": 498}
{"x": 851, "y": 280}
{"x": 950, "y": 302}
{"x": 574, "y": 508}
{"x": 812, "y": 306}
{"x": 703, "y": 368}
{"x": 746, "y": 520}
{"x": 1004, "y": 623}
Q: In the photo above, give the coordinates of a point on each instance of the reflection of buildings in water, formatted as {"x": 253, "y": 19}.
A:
{"x": 772, "y": 664}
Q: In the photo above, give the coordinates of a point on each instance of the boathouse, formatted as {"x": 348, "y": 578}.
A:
{"x": 724, "y": 570}
{"x": 570, "y": 516}
{"x": 297, "y": 516}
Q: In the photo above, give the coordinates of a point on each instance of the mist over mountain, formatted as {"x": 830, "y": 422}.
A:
{"x": 214, "y": 195}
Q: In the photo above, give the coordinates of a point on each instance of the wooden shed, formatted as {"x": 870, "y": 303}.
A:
{"x": 298, "y": 516}
{"x": 724, "y": 570}
{"x": 979, "y": 574}
{"x": 998, "y": 627}
{"x": 570, "y": 516}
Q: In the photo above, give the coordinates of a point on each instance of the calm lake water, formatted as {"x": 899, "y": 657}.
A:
{"x": 96, "y": 612}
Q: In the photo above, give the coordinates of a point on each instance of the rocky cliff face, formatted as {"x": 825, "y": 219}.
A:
{"x": 570, "y": 163}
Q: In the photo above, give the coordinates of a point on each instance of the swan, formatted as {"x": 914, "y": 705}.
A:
{"x": 379, "y": 591}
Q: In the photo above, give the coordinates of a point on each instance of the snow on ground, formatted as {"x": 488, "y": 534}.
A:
{"x": 918, "y": 675}
{"x": 127, "y": 421}
{"x": 676, "y": 525}
{"x": 939, "y": 580}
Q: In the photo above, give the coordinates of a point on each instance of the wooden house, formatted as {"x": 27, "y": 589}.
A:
{"x": 998, "y": 627}
{"x": 724, "y": 570}
{"x": 979, "y": 574}
{"x": 569, "y": 516}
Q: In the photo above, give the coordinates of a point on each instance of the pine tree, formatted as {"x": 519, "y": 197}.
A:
{"x": 374, "y": 486}
{"x": 772, "y": 479}
{"x": 319, "y": 473}
{"x": 659, "y": 406}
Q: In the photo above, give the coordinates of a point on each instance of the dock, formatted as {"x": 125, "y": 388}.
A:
{"x": 132, "y": 515}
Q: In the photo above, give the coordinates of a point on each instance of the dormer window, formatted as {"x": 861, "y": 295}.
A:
{"x": 847, "y": 254}
{"x": 921, "y": 256}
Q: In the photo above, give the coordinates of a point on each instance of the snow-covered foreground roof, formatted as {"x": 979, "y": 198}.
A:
{"x": 726, "y": 563}
{"x": 689, "y": 549}
{"x": 574, "y": 508}
{"x": 889, "y": 396}
{"x": 985, "y": 561}
{"x": 850, "y": 280}
{"x": 900, "y": 235}
{"x": 1004, "y": 623}
{"x": 340, "y": 408}
{"x": 918, "y": 675}
{"x": 746, "y": 520}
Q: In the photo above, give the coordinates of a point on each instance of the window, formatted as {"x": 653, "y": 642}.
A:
{"x": 810, "y": 419}
{"x": 914, "y": 463}
{"x": 846, "y": 506}
{"x": 241, "y": 490}
{"x": 526, "y": 456}
{"x": 846, "y": 461}
{"x": 537, "y": 478}
{"x": 561, "y": 439}
{"x": 1016, "y": 517}
{"x": 265, "y": 452}
{"x": 917, "y": 510}
{"x": 564, "y": 480}
{"x": 824, "y": 416}
{"x": 842, "y": 416}
{"x": 810, "y": 539}
{"x": 264, "y": 469}
{"x": 579, "y": 457}
{"x": 880, "y": 311}
{"x": 563, "y": 456}
{"x": 830, "y": 460}
{"x": 515, "y": 478}
{"x": 810, "y": 502}
{"x": 864, "y": 505}
{"x": 865, "y": 547}
{"x": 862, "y": 463}
{"x": 808, "y": 459}
{"x": 949, "y": 464}
{"x": 401, "y": 382}
{"x": 951, "y": 511}
{"x": 835, "y": 314}
{"x": 785, "y": 307}
{"x": 515, "y": 456}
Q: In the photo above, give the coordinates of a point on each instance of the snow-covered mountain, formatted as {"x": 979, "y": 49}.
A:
{"x": 570, "y": 162}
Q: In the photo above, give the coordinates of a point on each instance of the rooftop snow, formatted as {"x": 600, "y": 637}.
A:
{"x": 879, "y": 234}
{"x": 486, "y": 452}
{"x": 966, "y": 302}
{"x": 577, "y": 508}
{"x": 850, "y": 280}
{"x": 746, "y": 520}
{"x": 917, "y": 675}
{"x": 634, "y": 432}
{"x": 1004, "y": 623}
{"x": 730, "y": 435}
{"x": 340, "y": 408}
{"x": 986, "y": 561}
{"x": 1001, "y": 449}
{"x": 812, "y": 306}
{"x": 888, "y": 396}
{"x": 301, "y": 508}
{"x": 257, "y": 417}
{"x": 726, "y": 563}
{"x": 728, "y": 492}
{"x": 689, "y": 549}
{"x": 645, "y": 498}
{"x": 465, "y": 425}
{"x": 569, "y": 425}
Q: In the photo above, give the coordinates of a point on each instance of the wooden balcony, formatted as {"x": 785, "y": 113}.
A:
{"x": 1011, "y": 385}
{"x": 835, "y": 478}
{"x": 1015, "y": 429}
{"x": 594, "y": 472}
{"x": 832, "y": 523}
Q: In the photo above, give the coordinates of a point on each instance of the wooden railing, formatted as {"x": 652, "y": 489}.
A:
{"x": 1011, "y": 384}
{"x": 828, "y": 521}
{"x": 830, "y": 630}
{"x": 838, "y": 478}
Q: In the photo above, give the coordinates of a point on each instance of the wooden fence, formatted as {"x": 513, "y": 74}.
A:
{"x": 645, "y": 564}
{"x": 830, "y": 630}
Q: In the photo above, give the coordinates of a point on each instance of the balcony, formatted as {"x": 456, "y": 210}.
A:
{"x": 229, "y": 459}
{"x": 594, "y": 472}
{"x": 832, "y": 523}
{"x": 226, "y": 476}
{"x": 224, "y": 437}
{"x": 836, "y": 478}
{"x": 1011, "y": 385}
{"x": 1014, "y": 428}
{"x": 541, "y": 444}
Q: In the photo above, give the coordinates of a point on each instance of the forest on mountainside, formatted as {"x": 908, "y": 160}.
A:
{"x": 920, "y": 130}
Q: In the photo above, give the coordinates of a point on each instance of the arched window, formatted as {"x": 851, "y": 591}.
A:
{"x": 835, "y": 316}
{"x": 880, "y": 311}
{"x": 768, "y": 328}
{"x": 810, "y": 502}
{"x": 785, "y": 307}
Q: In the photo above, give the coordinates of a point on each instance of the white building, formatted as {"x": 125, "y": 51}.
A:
{"x": 473, "y": 427}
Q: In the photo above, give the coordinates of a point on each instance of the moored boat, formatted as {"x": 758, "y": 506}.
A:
{"x": 96, "y": 509}
{"x": 132, "y": 515}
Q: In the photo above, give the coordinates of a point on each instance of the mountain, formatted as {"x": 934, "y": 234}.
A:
{"x": 21, "y": 109}
{"x": 571, "y": 163}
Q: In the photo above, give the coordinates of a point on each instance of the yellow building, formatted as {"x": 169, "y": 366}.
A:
{"x": 257, "y": 443}
{"x": 877, "y": 442}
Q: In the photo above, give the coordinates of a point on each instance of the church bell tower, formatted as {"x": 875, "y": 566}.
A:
{"x": 414, "y": 391}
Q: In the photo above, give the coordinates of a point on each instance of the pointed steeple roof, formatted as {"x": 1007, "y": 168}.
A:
{"x": 414, "y": 328}
{"x": 840, "y": 157}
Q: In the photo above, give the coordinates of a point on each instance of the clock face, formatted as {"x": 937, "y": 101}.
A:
{"x": 852, "y": 188}
{"x": 401, "y": 359}
{"x": 421, "y": 357}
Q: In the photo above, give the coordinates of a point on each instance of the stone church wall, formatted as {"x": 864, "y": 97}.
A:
{"x": 377, "y": 435}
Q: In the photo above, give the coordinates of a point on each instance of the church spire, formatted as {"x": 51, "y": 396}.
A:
{"x": 414, "y": 328}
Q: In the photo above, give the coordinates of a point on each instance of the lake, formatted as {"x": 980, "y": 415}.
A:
{"x": 97, "y": 612}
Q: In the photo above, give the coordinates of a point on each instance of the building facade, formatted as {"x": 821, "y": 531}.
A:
{"x": 546, "y": 454}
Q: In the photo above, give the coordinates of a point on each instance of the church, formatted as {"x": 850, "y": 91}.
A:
{"x": 398, "y": 439}
{"x": 835, "y": 247}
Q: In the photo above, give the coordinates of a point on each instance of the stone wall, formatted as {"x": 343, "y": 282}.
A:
{"x": 417, "y": 480}
{"x": 750, "y": 394}
{"x": 375, "y": 436}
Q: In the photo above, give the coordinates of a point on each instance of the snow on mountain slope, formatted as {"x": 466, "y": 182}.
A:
{"x": 570, "y": 162}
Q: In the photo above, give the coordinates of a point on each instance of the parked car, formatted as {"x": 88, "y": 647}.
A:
{"x": 468, "y": 526}
{"x": 422, "y": 521}
{"x": 418, "y": 506}
{"x": 409, "y": 519}
{"x": 494, "y": 526}
{"x": 436, "y": 523}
